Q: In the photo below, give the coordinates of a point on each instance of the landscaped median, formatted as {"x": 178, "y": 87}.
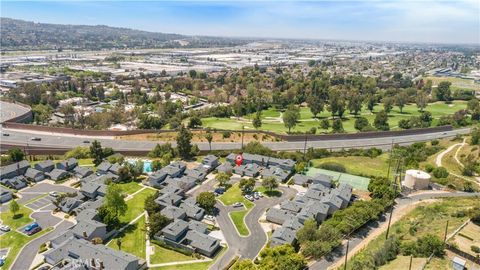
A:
{"x": 231, "y": 196}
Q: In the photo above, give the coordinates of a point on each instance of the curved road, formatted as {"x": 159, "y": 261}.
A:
{"x": 58, "y": 141}
{"x": 249, "y": 246}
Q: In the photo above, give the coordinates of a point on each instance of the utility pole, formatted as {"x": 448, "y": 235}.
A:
{"x": 411, "y": 259}
{"x": 389, "y": 221}
{"x": 305, "y": 147}
{"x": 243, "y": 131}
{"x": 390, "y": 160}
{"x": 446, "y": 229}
{"x": 346, "y": 255}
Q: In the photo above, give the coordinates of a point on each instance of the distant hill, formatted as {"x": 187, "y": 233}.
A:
{"x": 25, "y": 35}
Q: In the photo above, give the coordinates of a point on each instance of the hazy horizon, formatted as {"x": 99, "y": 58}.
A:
{"x": 382, "y": 21}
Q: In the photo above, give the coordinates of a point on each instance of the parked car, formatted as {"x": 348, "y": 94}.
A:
{"x": 220, "y": 190}
{"x": 249, "y": 197}
{"x": 4, "y": 228}
{"x": 6, "y": 134}
{"x": 53, "y": 194}
{"x": 31, "y": 226}
{"x": 86, "y": 141}
{"x": 260, "y": 194}
{"x": 256, "y": 196}
{"x": 209, "y": 217}
{"x": 34, "y": 230}
{"x": 238, "y": 204}
{"x": 301, "y": 194}
{"x": 2, "y": 261}
{"x": 45, "y": 267}
{"x": 35, "y": 139}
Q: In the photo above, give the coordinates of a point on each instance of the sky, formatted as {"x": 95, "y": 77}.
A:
{"x": 437, "y": 21}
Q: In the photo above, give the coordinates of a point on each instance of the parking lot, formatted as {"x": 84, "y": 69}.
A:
{"x": 39, "y": 203}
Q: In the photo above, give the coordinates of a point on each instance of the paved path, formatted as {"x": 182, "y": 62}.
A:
{"x": 439, "y": 158}
{"x": 26, "y": 256}
{"x": 250, "y": 246}
{"x": 361, "y": 236}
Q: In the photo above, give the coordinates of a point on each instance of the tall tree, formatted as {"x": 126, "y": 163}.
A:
{"x": 184, "y": 145}
{"x": 315, "y": 103}
{"x": 381, "y": 121}
{"x": 337, "y": 126}
{"x": 206, "y": 200}
{"x": 96, "y": 152}
{"x": 209, "y": 138}
{"x": 388, "y": 104}
{"x": 14, "y": 208}
{"x": 114, "y": 201}
{"x": 421, "y": 100}
{"x": 222, "y": 178}
{"x": 246, "y": 185}
{"x": 443, "y": 91}
{"x": 269, "y": 183}
{"x": 257, "y": 120}
{"x": 355, "y": 103}
{"x": 15, "y": 154}
{"x": 291, "y": 117}
{"x": 401, "y": 100}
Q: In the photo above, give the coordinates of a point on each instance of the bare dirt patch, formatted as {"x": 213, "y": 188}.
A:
{"x": 199, "y": 136}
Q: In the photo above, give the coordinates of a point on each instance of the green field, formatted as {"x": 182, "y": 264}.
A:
{"x": 22, "y": 218}
{"x": 133, "y": 239}
{"x": 136, "y": 205}
{"x": 358, "y": 165}
{"x": 164, "y": 255}
{"x": 457, "y": 83}
{"x": 233, "y": 195}
{"x": 271, "y": 121}
{"x": 130, "y": 187}
{"x": 356, "y": 182}
{"x": 237, "y": 218}
{"x": 189, "y": 266}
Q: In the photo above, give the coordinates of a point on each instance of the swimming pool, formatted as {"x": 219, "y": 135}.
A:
{"x": 147, "y": 164}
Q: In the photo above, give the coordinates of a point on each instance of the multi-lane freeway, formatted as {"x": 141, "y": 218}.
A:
{"x": 59, "y": 141}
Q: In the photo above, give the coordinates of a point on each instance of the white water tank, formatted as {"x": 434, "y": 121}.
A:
{"x": 416, "y": 179}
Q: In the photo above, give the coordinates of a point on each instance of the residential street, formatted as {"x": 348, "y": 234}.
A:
{"x": 26, "y": 256}
{"x": 250, "y": 246}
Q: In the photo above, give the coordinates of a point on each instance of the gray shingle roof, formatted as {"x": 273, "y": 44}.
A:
{"x": 84, "y": 250}
{"x": 173, "y": 212}
{"x": 177, "y": 227}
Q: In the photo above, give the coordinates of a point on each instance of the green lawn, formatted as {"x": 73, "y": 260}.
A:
{"x": 402, "y": 262}
{"x": 86, "y": 162}
{"x": 15, "y": 242}
{"x": 307, "y": 121}
{"x": 164, "y": 255}
{"x": 190, "y": 266}
{"x": 237, "y": 218}
{"x": 133, "y": 239}
{"x": 268, "y": 193}
{"x": 357, "y": 182}
{"x": 358, "y": 165}
{"x": 22, "y": 218}
{"x": 233, "y": 195}
{"x": 130, "y": 187}
{"x": 136, "y": 205}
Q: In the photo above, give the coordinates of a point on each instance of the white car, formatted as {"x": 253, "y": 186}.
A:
{"x": 4, "y": 228}
{"x": 260, "y": 194}
{"x": 249, "y": 197}
{"x": 53, "y": 194}
{"x": 209, "y": 217}
{"x": 238, "y": 204}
